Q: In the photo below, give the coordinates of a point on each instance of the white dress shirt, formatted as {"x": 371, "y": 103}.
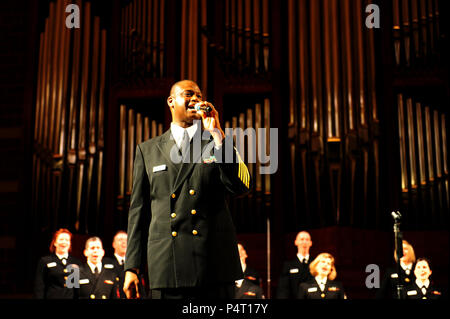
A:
{"x": 178, "y": 132}
{"x": 301, "y": 257}
{"x": 63, "y": 258}
{"x": 92, "y": 266}
{"x": 406, "y": 268}
{"x": 120, "y": 259}
{"x": 423, "y": 285}
{"x": 321, "y": 282}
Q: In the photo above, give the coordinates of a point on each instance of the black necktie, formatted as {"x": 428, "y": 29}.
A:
{"x": 184, "y": 146}
{"x": 96, "y": 272}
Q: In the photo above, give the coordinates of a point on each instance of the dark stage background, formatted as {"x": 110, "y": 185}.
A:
{"x": 362, "y": 118}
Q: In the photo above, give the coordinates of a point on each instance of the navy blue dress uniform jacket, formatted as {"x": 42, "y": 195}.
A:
{"x": 292, "y": 275}
{"x": 120, "y": 274}
{"x": 414, "y": 292}
{"x": 121, "y": 277}
{"x": 388, "y": 288}
{"x": 179, "y": 217}
{"x": 105, "y": 286}
{"x": 311, "y": 290}
{"x": 50, "y": 280}
{"x": 248, "y": 290}
{"x": 253, "y": 276}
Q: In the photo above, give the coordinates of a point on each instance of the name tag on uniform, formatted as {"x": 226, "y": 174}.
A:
{"x": 313, "y": 289}
{"x": 109, "y": 266}
{"x": 159, "y": 168}
{"x": 394, "y": 276}
{"x": 84, "y": 281}
{"x": 50, "y": 265}
{"x": 412, "y": 292}
{"x": 109, "y": 282}
{"x": 293, "y": 270}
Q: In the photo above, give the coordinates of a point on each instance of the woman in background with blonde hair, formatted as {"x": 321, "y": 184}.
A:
{"x": 324, "y": 285}
{"x": 392, "y": 278}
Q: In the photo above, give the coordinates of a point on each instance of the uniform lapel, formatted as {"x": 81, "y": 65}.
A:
{"x": 318, "y": 292}
{"x": 98, "y": 280}
{"x": 166, "y": 145}
{"x": 91, "y": 277}
{"x": 327, "y": 285}
{"x": 58, "y": 261}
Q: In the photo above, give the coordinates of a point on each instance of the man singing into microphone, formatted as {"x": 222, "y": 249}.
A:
{"x": 178, "y": 220}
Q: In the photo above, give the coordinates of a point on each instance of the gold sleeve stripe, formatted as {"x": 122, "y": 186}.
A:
{"x": 243, "y": 173}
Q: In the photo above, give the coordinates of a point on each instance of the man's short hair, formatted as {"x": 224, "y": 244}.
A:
{"x": 120, "y": 232}
{"x": 91, "y": 239}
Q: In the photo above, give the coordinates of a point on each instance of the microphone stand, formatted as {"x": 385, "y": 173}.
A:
{"x": 398, "y": 238}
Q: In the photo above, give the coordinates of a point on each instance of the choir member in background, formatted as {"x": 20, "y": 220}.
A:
{"x": 296, "y": 271}
{"x": 250, "y": 273}
{"x": 323, "y": 285}
{"x": 118, "y": 259}
{"x": 422, "y": 287}
{"x": 250, "y": 286}
{"x": 52, "y": 271}
{"x": 388, "y": 289}
{"x": 97, "y": 280}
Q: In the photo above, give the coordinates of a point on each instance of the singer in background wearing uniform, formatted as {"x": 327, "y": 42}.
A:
{"x": 296, "y": 271}
{"x": 422, "y": 287}
{"x": 50, "y": 280}
{"x": 388, "y": 289}
{"x": 323, "y": 285}
{"x": 118, "y": 259}
{"x": 98, "y": 280}
{"x": 178, "y": 220}
{"x": 250, "y": 274}
{"x": 250, "y": 287}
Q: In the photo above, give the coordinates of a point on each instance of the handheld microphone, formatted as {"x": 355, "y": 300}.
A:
{"x": 205, "y": 108}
